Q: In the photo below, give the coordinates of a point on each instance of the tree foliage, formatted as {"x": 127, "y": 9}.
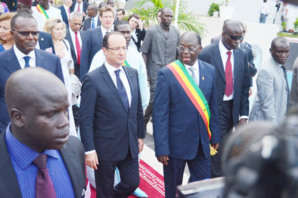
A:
{"x": 147, "y": 10}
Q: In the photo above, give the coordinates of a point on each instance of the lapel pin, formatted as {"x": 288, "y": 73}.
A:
{"x": 41, "y": 39}
{"x": 203, "y": 78}
{"x": 83, "y": 192}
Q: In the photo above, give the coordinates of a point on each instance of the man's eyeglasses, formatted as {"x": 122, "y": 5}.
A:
{"x": 191, "y": 49}
{"x": 235, "y": 38}
{"x": 117, "y": 49}
{"x": 26, "y": 33}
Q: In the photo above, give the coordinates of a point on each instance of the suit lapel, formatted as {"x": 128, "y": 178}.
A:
{"x": 71, "y": 161}
{"x": 40, "y": 60}
{"x": 107, "y": 78}
{"x": 130, "y": 81}
{"x": 218, "y": 62}
{"x": 7, "y": 172}
{"x": 202, "y": 74}
{"x": 236, "y": 67}
{"x": 68, "y": 37}
{"x": 12, "y": 62}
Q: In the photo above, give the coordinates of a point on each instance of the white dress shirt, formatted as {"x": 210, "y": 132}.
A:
{"x": 73, "y": 39}
{"x": 20, "y": 56}
{"x": 196, "y": 71}
{"x": 136, "y": 61}
{"x": 104, "y": 31}
{"x": 81, "y": 7}
{"x": 224, "y": 57}
{"x": 123, "y": 78}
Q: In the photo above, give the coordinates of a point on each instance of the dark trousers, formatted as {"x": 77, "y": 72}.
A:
{"x": 149, "y": 109}
{"x": 199, "y": 169}
{"x": 226, "y": 125}
{"x": 129, "y": 174}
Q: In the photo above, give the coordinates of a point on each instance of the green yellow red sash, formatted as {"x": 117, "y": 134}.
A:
{"x": 42, "y": 11}
{"x": 192, "y": 90}
{"x": 126, "y": 63}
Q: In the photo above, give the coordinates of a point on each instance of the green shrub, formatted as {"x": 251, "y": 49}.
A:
{"x": 214, "y": 7}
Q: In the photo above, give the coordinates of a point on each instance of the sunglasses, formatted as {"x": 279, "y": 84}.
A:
{"x": 26, "y": 33}
{"x": 235, "y": 38}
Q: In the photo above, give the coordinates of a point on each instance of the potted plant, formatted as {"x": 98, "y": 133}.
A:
{"x": 296, "y": 25}
{"x": 213, "y": 9}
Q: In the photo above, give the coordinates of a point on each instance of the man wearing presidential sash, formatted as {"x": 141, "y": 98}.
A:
{"x": 185, "y": 115}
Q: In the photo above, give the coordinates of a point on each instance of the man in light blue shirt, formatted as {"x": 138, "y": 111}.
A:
{"x": 37, "y": 105}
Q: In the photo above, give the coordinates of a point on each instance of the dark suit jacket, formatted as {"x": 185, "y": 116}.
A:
{"x": 92, "y": 43}
{"x": 177, "y": 125}
{"x": 10, "y": 64}
{"x": 73, "y": 157}
{"x": 45, "y": 41}
{"x": 73, "y": 51}
{"x": 141, "y": 36}
{"x": 211, "y": 55}
{"x": 64, "y": 15}
{"x": 252, "y": 70}
{"x": 105, "y": 124}
{"x": 85, "y": 6}
{"x": 87, "y": 24}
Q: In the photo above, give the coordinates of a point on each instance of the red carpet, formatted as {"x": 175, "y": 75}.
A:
{"x": 151, "y": 182}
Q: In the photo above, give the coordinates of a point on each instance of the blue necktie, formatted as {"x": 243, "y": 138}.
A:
{"x": 121, "y": 90}
{"x": 27, "y": 58}
{"x": 92, "y": 23}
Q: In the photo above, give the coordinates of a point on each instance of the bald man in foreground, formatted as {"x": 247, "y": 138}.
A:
{"x": 38, "y": 157}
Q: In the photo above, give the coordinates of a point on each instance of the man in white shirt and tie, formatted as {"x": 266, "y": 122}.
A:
{"x": 23, "y": 54}
{"x": 232, "y": 82}
{"x": 111, "y": 120}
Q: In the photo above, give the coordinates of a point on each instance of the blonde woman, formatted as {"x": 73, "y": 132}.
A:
{"x": 57, "y": 29}
{"x": 6, "y": 40}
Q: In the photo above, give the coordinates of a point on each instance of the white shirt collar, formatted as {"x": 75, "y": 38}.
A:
{"x": 111, "y": 69}
{"x": 20, "y": 55}
{"x": 195, "y": 66}
{"x": 222, "y": 48}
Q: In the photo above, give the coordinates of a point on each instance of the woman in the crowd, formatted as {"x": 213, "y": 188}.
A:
{"x": 57, "y": 29}
{"x": 137, "y": 31}
{"x": 6, "y": 40}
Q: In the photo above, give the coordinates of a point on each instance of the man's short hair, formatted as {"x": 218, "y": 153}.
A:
{"x": 106, "y": 8}
{"x": 106, "y": 38}
{"x": 75, "y": 14}
{"x": 118, "y": 23}
{"x": 25, "y": 15}
{"x": 121, "y": 10}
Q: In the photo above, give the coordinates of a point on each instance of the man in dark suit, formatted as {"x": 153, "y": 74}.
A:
{"x": 93, "y": 20}
{"x": 65, "y": 11}
{"x": 111, "y": 121}
{"x": 23, "y": 54}
{"x": 37, "y": 104}
{"x": 92, "y": 41}
{"x": 232, "y": 82}
{"x": 79, "y": 6}
{"x": 45, "y": 42}
{"x": 180, "y": 133}
{"x": 74, "y": 37}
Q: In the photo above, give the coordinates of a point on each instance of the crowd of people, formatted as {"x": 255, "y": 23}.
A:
{"x": 92, "y": 72}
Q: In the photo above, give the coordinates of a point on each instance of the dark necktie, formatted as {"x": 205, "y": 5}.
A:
{"x": 229, "y": 76}
{"x": 92, "y": 23}
{"x": 78, "y": 47}
{"x": 27, "y": 59}
{"x": 192, "y": 74}
{"x": 44, "y": 187}
{"x": 121, "y": 90}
